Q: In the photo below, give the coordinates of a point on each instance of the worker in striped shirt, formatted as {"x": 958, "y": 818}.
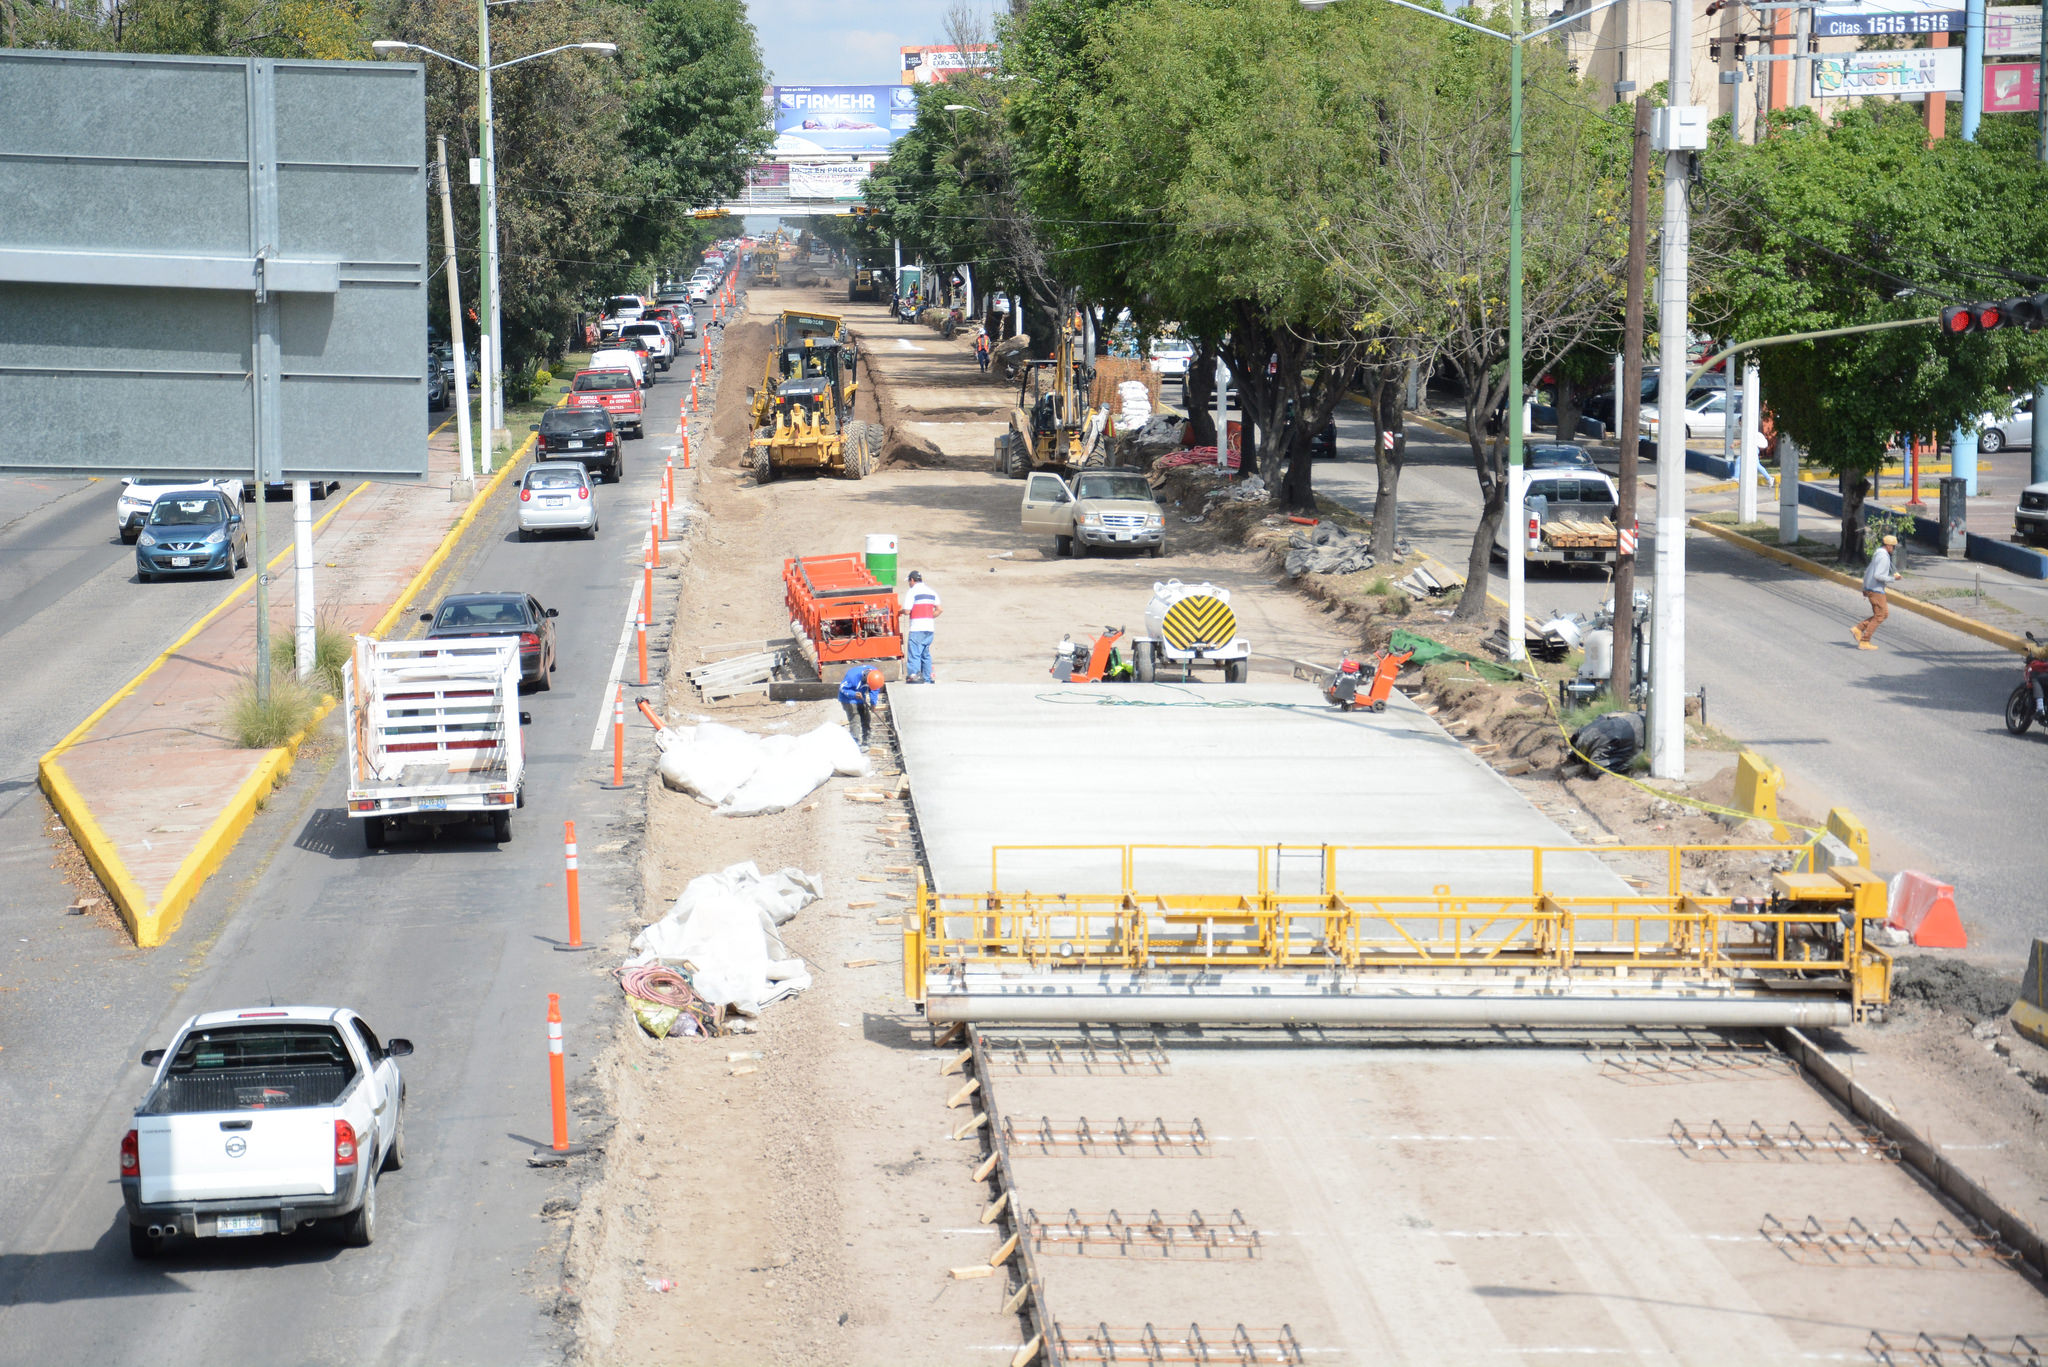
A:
{"x": 921, "y": 610}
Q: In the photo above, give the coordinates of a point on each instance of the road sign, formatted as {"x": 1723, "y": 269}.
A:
{"x": 1886, "y": 17}
{"x": 213, "y": 264}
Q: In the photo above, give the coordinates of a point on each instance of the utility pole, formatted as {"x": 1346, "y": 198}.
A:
{"x": 1518, "y": 521}
{"x": 493, "y": 352}
{"x": 466, "y": 485}
{"x": 1628, "y": 394}
{"x": 2038, "y": 451}
{"x": 1963, "y": 445}
{"x": 1746, "y": 462}
{"x": 1684, "y": 133}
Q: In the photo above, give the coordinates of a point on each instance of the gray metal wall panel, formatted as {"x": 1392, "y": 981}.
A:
{"x": 108, "y": 152}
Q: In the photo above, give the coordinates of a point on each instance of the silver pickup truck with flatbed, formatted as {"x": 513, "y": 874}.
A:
{"x": 263, "y": 1121}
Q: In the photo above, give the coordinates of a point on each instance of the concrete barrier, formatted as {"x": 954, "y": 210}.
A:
{"x": 2004, "y": 555}
{"x": 2030, "y": 1013}
{"x": 1757, "y": 782}
{"x": 1850, "y": 832}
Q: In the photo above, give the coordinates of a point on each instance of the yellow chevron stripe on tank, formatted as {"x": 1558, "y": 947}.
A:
{"x": 1199, "y": 621}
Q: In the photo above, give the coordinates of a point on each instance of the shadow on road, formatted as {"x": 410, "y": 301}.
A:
{"x": 108, "y": 1270}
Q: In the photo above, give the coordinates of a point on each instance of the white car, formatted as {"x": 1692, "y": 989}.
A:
{"x": 661, "y": 348}
{"x": 620, "y": 358}
{"x": 555, "y": 496}
{"x": 1171, "y": 358}
{"x": 1707, "y": 414}
{"x": 138, "y": 492}
{"x": 1996, "y": 433}
{"x": 260, "y": 1121}
{"x": 700, "y": 292}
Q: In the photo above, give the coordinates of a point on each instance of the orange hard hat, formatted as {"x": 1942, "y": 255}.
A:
{"x": 874, "y": 678}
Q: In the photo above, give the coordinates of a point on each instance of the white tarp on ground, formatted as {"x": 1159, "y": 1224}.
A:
{"x": 742, "y": 774}
{"x": 721, "y": 935}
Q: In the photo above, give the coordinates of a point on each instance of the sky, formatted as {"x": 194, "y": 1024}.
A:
{"x": 849, "y": 42}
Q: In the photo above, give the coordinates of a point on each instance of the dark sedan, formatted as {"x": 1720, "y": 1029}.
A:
{"x": 501, "y": 614}
{"x": 191, "y": 532}
{"x": 581, "y": 434}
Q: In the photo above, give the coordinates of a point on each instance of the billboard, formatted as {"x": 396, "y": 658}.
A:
{"x": 840, "y": 118}
{"x": 1911, "y": 71}
{"x": 212, "y": 264}
{"x": 827, "y": 180}
{"x": 2012, "y": 87}
{"x": 2012, "y": 28}
{"x": 935, "y": 63}
{"x": 1887, "y": 17}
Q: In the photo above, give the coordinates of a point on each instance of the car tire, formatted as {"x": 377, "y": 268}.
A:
{"x": 128, "y": 538}
{"x": 545, "y": 681}
{"x": 229, "y": 572}
{"x": 1158, "y": 550}
{"x": 141, "y": 1244}
{"x": 394, "y": 1157}
{"x": 1063, "y": 545}
{"x": 243, "y": 559}
{"x": 591, "y": 535}
{"x": 1236, "y": 671}
{"x": 617, "y": 472}
{"x": 144, "y": 577}
{"x": 525, "y": 535}
{"x": 373, "y": 833}
{"x": 1081, "y": 549}
{"x": 501, "y": 827}
{"x": 359, "y": 1226}
{"x": 1991, "y": 441}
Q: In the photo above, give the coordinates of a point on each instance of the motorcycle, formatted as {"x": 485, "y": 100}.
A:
{"x": 2025, "y": 706}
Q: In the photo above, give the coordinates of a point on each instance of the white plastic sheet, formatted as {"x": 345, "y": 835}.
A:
{"x": 742, "y": 774}
{"x": 721, "y": 934}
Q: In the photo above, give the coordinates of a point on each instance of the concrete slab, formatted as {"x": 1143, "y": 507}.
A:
{"x": 1238, "y": 768}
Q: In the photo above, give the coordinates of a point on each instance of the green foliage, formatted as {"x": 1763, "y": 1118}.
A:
{"x": 332, "y": 644}
{"x": 265, "y": 723}
{"x": 1832, "y": 224}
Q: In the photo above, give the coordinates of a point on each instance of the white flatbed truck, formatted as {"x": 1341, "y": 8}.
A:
{"x": 434, "y": 734}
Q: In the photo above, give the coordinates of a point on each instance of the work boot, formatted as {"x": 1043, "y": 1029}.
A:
{"x": 1856, "y": 635}
{"x": 1866, "y": 645}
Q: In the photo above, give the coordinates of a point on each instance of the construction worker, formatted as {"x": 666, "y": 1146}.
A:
{"x": 921, "y": 608}
{"x": 981, "y": 350}
{"x": 1876, "y": 575}
{"x": 859, "y": 693}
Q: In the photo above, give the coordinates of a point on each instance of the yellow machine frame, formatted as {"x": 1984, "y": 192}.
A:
{"x": 1810, "y": 934}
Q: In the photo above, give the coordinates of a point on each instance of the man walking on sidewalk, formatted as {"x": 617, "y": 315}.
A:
{"x": 921, "y": 607}
{"x": 1876, "y": 575}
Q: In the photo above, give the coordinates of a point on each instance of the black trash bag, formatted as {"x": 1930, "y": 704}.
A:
{"x": 1611, "y": 741}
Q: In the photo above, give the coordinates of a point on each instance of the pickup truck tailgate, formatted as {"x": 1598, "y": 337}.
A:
{"x": 220, "y": 1156}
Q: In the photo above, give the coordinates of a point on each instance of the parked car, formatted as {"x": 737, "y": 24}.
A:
{"x": 140, "y": 492}
{"x": 1707, "y": 414}
{"x": 1171, "y": 357}
{"x": 1995, "y": 433}
{"x": 616, "y": 391}
{"x": 584, "y": 435}
{"x": 440, "y": 388}
{"x": 661, "y": 347}
{"x": 191, "y": 532}
{"x": 501, "y": 614}
{"x": 622, "y": 358}
{"x": 1101, "y": 508}
{"x": 1556, "y": 455}
{"x": 555, "y": 496}
{"x": 1601, "y": 405}
{"x": 2030, "y": 518}
{"x": 261, "y": 1121}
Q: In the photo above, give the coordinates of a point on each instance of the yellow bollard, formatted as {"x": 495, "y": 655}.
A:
{"x": 1757, "y": 782}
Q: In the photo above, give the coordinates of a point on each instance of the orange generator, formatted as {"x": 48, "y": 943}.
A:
{"x": 842, "y": 610}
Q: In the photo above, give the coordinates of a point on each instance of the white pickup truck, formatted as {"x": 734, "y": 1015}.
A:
{"x": 433, "y": 733}
{"x": 262, "y": 1121}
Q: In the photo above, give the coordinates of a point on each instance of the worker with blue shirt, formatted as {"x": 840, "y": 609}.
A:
{"x": 860, "y": 692}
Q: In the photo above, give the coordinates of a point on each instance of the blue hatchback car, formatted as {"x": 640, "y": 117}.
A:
{"x": 191, "y": 533}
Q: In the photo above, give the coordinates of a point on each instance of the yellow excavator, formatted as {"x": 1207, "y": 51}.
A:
{"x": 1051, "y": 427}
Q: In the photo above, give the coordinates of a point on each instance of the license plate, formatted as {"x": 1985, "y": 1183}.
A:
{"x": 1582, "y": 555}
{"x": 554, "y": 502}
{"x": 433, "y": 804}
{"x": 230, "y": 1225}
{"x": 575, "y": 446}
{"x": 1123, "y": 536}
{"x": 179, "y": 562}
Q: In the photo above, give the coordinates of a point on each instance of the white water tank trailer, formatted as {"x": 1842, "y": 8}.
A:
{"x": 1190, "y": 625}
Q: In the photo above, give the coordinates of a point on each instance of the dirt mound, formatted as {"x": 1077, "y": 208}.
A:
{"x": 743, "y": 354}
{"x": 1929, "y": 983}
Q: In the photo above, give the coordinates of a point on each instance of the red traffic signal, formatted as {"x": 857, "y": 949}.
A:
{"x": 2027, "y": 311}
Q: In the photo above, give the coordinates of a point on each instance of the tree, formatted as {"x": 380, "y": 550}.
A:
{"x": 1829, "y": 224}
{"x": 1421, "y": 239}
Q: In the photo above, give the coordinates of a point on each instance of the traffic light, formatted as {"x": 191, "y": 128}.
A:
{"x": 2027, "y": 311}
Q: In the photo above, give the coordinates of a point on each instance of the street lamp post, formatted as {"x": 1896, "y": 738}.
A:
{"x": 491, "y": 321}
{"x": 1517, "y": 539}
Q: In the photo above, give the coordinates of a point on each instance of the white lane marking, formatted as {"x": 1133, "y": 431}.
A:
{"x": 604, "y": 710}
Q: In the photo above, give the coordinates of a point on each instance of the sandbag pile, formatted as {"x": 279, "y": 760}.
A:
{"x": 742, "y": 774}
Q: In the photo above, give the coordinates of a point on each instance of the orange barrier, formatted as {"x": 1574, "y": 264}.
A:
{"x": 640, "y": 635}
{"x": 1926, "y": 910}
{"x": 575, "y": 903}
{"x": 618, "y": 737}
{"x": 557, "y": 1089}
{"x": 842, "y": 609}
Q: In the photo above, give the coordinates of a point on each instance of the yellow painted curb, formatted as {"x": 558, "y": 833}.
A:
{"x": 98, "y": 850}
{"x": 447, "y": 546}
{"x": 2004, "y": 639}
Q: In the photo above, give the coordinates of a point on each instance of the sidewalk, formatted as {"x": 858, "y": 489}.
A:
{"x": 152, "y": 785}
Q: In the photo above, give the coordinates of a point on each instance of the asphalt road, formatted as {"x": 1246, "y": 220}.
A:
{"x": 449, "y": 943}
{"x": 1909, "y": 738}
